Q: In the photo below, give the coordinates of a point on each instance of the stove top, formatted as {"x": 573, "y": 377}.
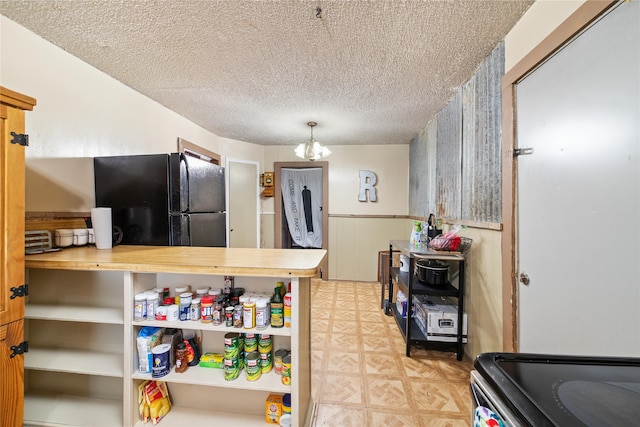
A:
{"x": 552, "y": 390}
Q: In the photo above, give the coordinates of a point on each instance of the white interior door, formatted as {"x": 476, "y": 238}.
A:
{"x": 243, "y": 211}
{"x": 578, "y": 227}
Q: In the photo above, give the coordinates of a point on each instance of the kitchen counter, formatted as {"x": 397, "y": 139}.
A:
{"x": 185, "y": 259}
{"x": 85, "y": 295}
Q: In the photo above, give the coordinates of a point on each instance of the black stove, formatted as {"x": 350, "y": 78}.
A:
{"x": 552, "y": 390}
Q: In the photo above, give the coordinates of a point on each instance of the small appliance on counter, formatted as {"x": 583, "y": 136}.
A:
{"x": 541, "y": 390}
{"x": 163, "y": 199}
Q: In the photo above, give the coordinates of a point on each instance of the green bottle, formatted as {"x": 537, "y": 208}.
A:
{"x": 277, "y": 309}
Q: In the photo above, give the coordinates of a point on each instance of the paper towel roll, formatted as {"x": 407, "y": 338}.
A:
{"x": 102, "y": 230}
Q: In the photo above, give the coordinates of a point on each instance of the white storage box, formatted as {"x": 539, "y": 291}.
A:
{"x": 439, "y": 321}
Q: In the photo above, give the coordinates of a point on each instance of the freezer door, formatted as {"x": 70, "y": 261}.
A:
{"x": 196, "y": 185}
{"x": 135, "y": 188}
{"x": 204, "y": 230}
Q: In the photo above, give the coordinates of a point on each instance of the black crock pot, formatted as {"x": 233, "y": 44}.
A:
{"x": 432, "y": 272}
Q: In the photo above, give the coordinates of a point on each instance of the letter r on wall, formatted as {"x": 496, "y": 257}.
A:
{"x": 367, "y": 182}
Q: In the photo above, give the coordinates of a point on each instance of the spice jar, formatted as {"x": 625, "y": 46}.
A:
{"x": 195, "y": 310}
{"x": 182, "y": 361}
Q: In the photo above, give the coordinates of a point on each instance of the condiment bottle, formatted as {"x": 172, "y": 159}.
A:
{"x": 277, "y": 309}
{"x": 287, "y": 308}
{"x": 182, "y": 362}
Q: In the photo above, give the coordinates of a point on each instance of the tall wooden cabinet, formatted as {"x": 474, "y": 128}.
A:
{"x": 12, "y": 146}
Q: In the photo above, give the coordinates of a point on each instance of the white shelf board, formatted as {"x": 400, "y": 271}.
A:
{"x": 74, "y": 361}
{"x": 67, "y": 313}
{"x": 181, "y": 417}
{"x": 56, "y": 409}
{"x": 213, "y": 377}
{"x": 190, "y": 324}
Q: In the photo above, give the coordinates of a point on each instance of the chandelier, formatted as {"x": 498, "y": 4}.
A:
{"x": 312, "y": 149}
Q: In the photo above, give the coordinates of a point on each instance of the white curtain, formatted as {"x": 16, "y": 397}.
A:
{"x": 302, "y": 200}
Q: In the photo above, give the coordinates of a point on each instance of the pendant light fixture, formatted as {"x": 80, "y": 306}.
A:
{"x": 312, "y": 149}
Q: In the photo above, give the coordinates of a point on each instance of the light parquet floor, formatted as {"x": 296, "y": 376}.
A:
{"x": 360, "y": 374}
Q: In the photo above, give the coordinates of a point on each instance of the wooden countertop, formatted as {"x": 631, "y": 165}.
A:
{"x": 185, "y": 259}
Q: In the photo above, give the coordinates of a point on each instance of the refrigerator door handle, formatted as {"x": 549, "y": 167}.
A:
{"x": 183, "y": 158}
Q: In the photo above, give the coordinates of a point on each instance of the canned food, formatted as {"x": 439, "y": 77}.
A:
{"x": 265, "y": 343}
{"x": 266, "y": 363}
{"x": 286, "y": 370}
{"x": 231, "y": 345}
{"x": 250, "y": 343}
{"x": 253, "y": 368}
{"x": 277, "y": 359}
{"x": 231, "y": 369}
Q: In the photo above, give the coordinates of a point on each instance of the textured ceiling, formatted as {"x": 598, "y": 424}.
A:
{"x": 369, "y": 72}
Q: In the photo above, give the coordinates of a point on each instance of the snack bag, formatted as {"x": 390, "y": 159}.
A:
{"x": 157, "y": 398}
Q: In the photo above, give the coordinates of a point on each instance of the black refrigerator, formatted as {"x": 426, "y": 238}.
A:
{"x": 163, "y": 199}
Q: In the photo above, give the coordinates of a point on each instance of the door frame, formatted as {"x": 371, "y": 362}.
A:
{"x": 584, "y": 16}
{"x": 277, "y": 201}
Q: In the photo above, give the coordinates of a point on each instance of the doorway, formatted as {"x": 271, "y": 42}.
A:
{"x": 283, "y": 236}
{"x": 243, "y": 207}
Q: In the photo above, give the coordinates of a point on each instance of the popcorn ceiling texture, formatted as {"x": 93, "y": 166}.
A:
{"x": 369, "y": 72}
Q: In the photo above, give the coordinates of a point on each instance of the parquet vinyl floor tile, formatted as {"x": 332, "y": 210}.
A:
{"x": 361, "y": 375}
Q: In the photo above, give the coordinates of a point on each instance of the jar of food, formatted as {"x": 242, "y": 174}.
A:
{"x": 185, "y": 306}
{"x": 261, "y": 314}
{"x": 195, "y": 310}
{"x": 249, "y": 315}
{"x": 152, "y": 304}
{"x": 182, "y": 354}
{"x": 206, "y": 309}
{"x": 139, "y": 307}
{"x": 238, "y": 316}
{"x": 228, "y": 316}
{"x": 217, "y": 312}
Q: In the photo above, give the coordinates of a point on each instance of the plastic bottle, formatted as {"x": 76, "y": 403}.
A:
{"x": 152, "y": 304}
{"x": 261, "y": 314}
{"x": 185, "y": 306}
{"x": 140, "y": 307}
{"x": 182, "y": 353}
{"x": 277, "y": 309}
{"x": 287, "y": 308}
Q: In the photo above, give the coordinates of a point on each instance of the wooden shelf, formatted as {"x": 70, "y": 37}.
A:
{"x": 67, "y": 313}
{"x": 74, "y": 361}
{"x": 212, "y": 377}
{"x": 51, "y": 409}
{"x": 198, "y": 325}
{"x": 181, "y": 417}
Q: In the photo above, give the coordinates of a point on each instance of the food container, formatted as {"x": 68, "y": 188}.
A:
{"x": 63, "y": 237}
{"x": 432, "y": 272}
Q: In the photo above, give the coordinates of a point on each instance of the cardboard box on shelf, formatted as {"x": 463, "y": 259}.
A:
{"x": 438, "y": 319}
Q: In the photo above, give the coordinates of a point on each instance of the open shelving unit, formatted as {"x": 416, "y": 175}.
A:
{"x": 410, "y": 285}
{"x": 82, "y": 365}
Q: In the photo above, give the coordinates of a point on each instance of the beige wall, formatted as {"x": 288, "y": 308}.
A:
{"x": 81, "y": 113}
{"x": 357, "y": 230}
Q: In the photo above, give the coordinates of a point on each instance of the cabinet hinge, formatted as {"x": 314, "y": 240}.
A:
{"x": 20, "y": 291}
{"x": 20, "y": 138}
{"x": 23, "y": 347}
